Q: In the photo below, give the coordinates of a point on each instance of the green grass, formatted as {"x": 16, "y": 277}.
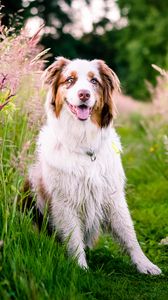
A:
{"x": 34, "y": 266}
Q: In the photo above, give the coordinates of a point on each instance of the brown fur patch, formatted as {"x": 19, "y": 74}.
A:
{"x": 42, "y": 191}
{"x": 96, "y": 113}
{"x": 72, "y": 75}
{"x": 59, "y": 93}
{"x": 91, "y": 75}
{"x": 54, "y": 79}
{"x": 58, "y": 96}
{"x": 103, "y": 115}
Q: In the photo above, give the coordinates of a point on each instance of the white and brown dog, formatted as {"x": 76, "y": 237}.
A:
{"x": 78, "y": 167}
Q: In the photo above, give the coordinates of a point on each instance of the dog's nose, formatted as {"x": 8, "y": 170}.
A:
{"x": 83, "y": 95}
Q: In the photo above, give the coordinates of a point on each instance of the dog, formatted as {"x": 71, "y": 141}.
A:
{"x": 78, "y": 169}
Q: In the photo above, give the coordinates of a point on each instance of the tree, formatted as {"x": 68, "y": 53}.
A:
{"x": 9, "y": 12}
{"x": 129, "y": 50}
{"x": 142, "y": 42}
{"x": 54, "y": 17}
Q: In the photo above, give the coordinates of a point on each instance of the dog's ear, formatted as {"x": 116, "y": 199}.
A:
{"x": 52, "y": 77}
{"x": 110, "y": 82}
{"x": 52, "y": 73}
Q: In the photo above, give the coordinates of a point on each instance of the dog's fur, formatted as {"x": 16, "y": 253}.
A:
{"x": 78, "y": 169}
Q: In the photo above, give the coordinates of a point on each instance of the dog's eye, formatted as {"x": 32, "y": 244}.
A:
{"x": 70, "y": 79}
{"x": 94, "y": 80}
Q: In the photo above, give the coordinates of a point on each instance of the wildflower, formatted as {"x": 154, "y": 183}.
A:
{"x": 159, "y": 94}
{"x": 22, "y": 63}
{"x": 153, "y": 148}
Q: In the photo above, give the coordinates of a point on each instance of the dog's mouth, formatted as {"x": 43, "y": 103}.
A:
{"x": 82, "y": 111}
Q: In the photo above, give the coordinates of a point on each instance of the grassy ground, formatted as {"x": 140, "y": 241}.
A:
{"x": 34, "y": 266}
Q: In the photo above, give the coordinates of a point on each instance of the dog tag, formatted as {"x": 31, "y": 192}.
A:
{"x": 92, "y": 155}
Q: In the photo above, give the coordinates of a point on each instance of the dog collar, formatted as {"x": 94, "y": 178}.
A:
{"x": 92, "y": 154}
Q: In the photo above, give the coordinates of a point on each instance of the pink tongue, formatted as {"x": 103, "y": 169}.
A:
{"x": 82, "y": 113}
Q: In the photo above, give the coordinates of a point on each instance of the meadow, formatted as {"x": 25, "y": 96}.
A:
{"x": 33, "y": 265}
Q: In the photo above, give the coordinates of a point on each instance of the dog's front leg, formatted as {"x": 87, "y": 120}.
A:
{"x": 67, "y": 224}
{"x": 123, "y": 229}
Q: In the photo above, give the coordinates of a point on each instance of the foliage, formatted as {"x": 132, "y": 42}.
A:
{"x": 143, "y": 41}
{"x": 130, "y": 50}
{"x": 54, "y": 14}
{"x": 10, "y": 15}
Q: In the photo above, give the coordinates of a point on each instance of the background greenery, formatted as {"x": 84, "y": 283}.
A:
{"x": 32, "y": 264}
{"x": 129, "y": 50}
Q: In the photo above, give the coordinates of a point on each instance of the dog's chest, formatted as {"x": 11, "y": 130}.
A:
{"x": 85, "y": 190}
{"x": 74, "y": 180}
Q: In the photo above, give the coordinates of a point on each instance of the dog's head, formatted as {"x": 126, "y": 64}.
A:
{"x": 84, "y": 88}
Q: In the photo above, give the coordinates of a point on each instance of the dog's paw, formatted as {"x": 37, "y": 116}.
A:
{"x": 82, "y": 263}
{"x": 147, "y": 267}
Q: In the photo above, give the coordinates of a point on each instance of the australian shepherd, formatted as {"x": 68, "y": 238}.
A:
{"x": 78, "y": 168}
